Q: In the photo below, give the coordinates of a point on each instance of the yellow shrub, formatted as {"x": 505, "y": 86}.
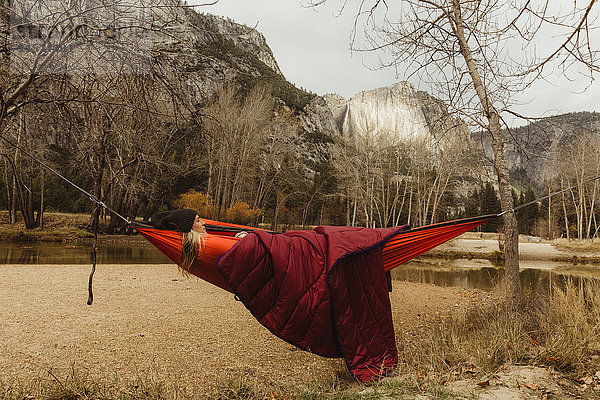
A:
{"x": 241, "y": 213}
{"x": 197, "y": 201}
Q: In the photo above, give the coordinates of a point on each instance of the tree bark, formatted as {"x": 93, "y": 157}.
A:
{"x": 15, "y": 163}
{"x": 8, "y": 194}
{"x": 40, "y": 216}
{"x": 511, "y": 239}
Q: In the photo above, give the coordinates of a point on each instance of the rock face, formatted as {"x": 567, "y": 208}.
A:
{"x": 529, "y": 152}
{"x": 212, "y": 30}
{"x": 224, "y": 51}
{"x": 217, "y": 51}
{"x": 220, "y": 50}
{"x": 398, "y": 112}
{"x": 317, "y": 118}
{"x": 393, "y": 111}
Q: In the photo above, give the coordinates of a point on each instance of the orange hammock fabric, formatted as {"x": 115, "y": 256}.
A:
{"x": 411, "y": 243}
{"x": 401, "y": 248}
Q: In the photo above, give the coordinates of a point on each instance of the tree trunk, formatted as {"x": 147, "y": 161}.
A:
{"x": 549, "y": 214}
{"x": 97, "y": 191}
{"x": 511, "y": 228}
{"x": 40, "y": 216}
{"x": 566, "y": 218}
{"x": 12, "y": 216}
{"x": 8, "y": 195}
{"x": 13, "y": 206}
{"x": 511, "y": 243}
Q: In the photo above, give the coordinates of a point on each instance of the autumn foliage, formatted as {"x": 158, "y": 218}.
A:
{"x": 239, "y": 213}
{"x": 198, "y": 201}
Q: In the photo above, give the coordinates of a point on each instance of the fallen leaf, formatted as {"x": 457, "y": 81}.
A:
{"x": 532, "y": 386}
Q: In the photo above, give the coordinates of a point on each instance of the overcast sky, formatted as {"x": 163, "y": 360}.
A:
{"x": 312, "y": 48}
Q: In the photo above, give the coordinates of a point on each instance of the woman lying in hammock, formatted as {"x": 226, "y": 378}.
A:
{"x": 323, "y": 290}
{"x": 200, "y": 251}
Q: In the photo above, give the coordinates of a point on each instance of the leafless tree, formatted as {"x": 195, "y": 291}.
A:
{"x": 100, "y": 72}
{"x": 464, "y": 50}
{"x": 247, "y": 146}
{"x": 574, "y": 164}
{"x": 389, "y": 178}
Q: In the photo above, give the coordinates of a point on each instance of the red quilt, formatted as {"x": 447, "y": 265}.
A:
{"x": 324, "y": 291}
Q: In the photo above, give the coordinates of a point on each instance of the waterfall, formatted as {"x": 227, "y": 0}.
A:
{"x": 345, "y": 120}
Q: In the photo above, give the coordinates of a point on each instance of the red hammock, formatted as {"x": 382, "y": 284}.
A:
{"x": 399, "y": 249}
{"x": 411, "y": 243}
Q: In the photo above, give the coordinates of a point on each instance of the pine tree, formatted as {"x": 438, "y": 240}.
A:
{"x": 472, "y": 208}
{"x": 489, "y": 204}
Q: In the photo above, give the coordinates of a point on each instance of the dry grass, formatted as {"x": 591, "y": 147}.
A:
{"x": 591, "y": 246}
{"x": 468, "y": 341}
{"x": 57, "y": 227}
{"x": 569, "y": 329}
{"x": 562, "y": 332}
{"x": 77, "y": 386}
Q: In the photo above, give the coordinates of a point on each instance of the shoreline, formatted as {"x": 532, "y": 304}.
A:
{"x": 70, "y": 230}
{"x": 149, "y": 320}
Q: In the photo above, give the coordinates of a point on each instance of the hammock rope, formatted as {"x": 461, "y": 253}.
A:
{"x": 512, "y": 210}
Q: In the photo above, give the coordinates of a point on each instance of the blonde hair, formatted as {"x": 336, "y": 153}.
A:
{"x": 192, "y": 242}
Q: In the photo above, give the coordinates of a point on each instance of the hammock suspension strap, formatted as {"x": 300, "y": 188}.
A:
{"x": 90, "y": 196}
{"x": 512, "y": 210}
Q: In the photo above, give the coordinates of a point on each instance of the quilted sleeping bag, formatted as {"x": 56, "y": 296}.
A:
{"x": 324, "y": 291}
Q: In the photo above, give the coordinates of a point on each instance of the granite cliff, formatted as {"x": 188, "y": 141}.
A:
{"x": 398, "y": 111}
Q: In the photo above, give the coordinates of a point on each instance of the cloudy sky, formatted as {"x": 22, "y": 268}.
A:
{"x": 312, "y": 48}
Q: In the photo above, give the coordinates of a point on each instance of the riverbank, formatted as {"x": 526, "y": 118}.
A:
{"x": 150, "y": 322}
{"x": 486, "y": 245}
{"x": 152, "y": 333}
{"x": 58, "y": 227}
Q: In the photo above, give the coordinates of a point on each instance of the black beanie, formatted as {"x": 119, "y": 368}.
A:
{"x": 179, "y": 220}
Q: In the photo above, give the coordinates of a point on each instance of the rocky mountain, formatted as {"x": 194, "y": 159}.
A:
{"x": 219, "y": 51}
{"x": 530, "y": 146}
{"x": 393, "y": 111}
{"x": 225, "y": 51}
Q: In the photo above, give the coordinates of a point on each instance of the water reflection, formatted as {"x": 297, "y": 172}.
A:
{"x": 60, "y": 253}
{"x": 537, "y": 277}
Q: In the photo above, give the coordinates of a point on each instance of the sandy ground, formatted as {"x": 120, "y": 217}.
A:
{"x": 149, "y": 321}
{"x": 474, "y": 244}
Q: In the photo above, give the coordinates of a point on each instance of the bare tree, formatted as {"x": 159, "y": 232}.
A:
{"x": 98, "y": 74}
{"x": 462, "y": 48}
{"x": 573, "y": 164}
{"x": 246, "y": 145}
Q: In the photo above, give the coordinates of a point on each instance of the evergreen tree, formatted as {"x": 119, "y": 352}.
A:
{"x": 529, "y": 214}
{"x": 472, "y": 206}
{"x": 489, "y": 204}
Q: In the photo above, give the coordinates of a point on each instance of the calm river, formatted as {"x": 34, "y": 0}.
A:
{"x": 536, "y": 276}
